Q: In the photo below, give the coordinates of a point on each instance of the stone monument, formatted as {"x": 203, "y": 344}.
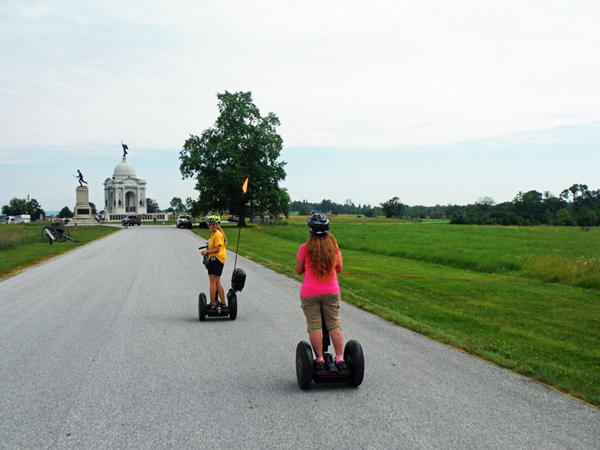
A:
{"x": 83, "y": 211}
{"x": 124, "y": 193}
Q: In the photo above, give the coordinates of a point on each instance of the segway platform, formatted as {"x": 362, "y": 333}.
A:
{"x": 306, "y": 372}
{"x": 305, "y": 363}
{"x": 218, "y": 311}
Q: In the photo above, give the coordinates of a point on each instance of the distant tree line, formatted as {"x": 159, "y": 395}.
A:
{"x": 391, "y": 208}
{"x": 575, "y": 206}
{"x": 305, "y": 208}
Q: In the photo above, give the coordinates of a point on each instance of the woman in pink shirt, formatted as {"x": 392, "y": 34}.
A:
{"x": 320, "y": 260}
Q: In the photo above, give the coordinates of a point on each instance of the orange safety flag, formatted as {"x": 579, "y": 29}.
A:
{"x": 245, "y": 186}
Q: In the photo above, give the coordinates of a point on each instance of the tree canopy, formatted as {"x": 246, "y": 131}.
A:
{"x": 177, "y": 204}
{"x": 19, "y": 206}
{"x": 242, "y": 143}
{"x": 65, "y": 213}
{"x": 577, "y": 205}
{"x": 392, "y": 208}
{"x": 151, "y": 206}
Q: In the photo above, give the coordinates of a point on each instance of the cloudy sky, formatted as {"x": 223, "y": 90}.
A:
{"x": 435, "y": 102}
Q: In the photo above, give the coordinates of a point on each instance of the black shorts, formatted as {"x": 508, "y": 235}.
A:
{"x": 214, "y": 266}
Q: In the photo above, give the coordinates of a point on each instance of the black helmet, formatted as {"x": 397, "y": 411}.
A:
{"x": 318, "y": 224}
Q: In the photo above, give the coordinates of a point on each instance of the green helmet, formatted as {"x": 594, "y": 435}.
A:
{"x": 213, "y": 219}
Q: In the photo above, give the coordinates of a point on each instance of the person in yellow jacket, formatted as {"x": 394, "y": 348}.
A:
{"x": 216, "y": 260}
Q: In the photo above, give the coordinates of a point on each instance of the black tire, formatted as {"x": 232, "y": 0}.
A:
{"x": 232, "y": 303}
{"x": 202, "y": 307}
{"x": 62, "y": 237}
{"x": 304, "y": 364}
{"x": 355, "y": 360}
{"x": 45, "y": 236}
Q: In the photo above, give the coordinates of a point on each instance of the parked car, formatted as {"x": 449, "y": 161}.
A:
{"x": 233, "y": 219}
{"x": 184, "y": 221}
{"x": 134, "y": 220}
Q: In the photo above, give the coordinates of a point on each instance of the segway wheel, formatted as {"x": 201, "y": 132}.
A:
{"x": 202, "y": 307}
{"x": 232, "y": 303}
{"x": 355, "y": 359}
{"x": 304, "y": 364}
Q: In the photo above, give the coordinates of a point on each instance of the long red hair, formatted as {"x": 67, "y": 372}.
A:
{"x": 323, "y": 254}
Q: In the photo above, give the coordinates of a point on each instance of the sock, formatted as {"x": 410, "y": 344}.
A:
{"x": 320, "y": 359}
{"x": 338, "y": 358}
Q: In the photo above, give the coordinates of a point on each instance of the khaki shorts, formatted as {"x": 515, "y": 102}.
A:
{"x": 331, "y": 312}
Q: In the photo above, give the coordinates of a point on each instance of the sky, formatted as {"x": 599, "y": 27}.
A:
{"x": 434, "y": 102}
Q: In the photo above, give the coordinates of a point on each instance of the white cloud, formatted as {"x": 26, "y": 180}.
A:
{"x": 77, "y": 77}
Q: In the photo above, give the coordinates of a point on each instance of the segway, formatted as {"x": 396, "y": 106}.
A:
{"x": 238, "y": 279}
{"x": 305, "y": 363}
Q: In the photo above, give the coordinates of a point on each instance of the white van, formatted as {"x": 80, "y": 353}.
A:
{"x": 8, "y": 219}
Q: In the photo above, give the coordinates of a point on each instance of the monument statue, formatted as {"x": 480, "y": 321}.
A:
{"x": 81, "y": 180}
{"x": 125, "y": 148}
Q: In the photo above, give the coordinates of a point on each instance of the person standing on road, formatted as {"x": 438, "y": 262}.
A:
{"x": 126, "y": 222}
{"x": 217, "y": 255}
{"x": 320, "y": 260}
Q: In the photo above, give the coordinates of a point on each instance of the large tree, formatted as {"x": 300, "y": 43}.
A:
{"x": 15, "y": 207}
{"x": 241, "y": 143}
{"x": 151, "y": 206}
{"x": 19, "y": 206}
{"x": 392, "y": 208}
{"x": 66, "y": 213}
{"x": 177, "y": 204}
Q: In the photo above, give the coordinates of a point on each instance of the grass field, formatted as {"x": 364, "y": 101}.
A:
{"x": 527, "y": 299}
{"x": 21, "y": 244}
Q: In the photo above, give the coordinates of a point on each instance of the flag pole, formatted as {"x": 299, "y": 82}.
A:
{"x": 244, "y": 190}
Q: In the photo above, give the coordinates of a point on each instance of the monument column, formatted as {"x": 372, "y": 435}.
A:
{"x": 83, "y": 210}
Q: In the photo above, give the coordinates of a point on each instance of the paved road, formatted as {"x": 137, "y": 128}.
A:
{"x": 102, "y": 349}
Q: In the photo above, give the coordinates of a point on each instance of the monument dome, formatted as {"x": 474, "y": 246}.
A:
{"x": 124, "y": 170}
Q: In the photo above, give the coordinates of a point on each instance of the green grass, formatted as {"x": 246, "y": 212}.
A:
{"x": 555, "y": 254}
{"x": 480, "y": 289}
{"x": 21, "y": 245}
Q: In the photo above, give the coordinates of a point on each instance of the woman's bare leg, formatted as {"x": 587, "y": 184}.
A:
{"x": 316, "y": 340}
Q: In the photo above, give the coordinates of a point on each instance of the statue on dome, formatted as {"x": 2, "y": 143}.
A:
{"x": 125, "y": 148}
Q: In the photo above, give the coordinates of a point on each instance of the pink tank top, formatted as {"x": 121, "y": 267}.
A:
{"x": 312, "y": 286}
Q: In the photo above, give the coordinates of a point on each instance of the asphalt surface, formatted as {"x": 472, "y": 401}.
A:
{"x": 102, "y": 349}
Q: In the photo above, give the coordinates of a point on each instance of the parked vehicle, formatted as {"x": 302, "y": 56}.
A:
{"x": 134, "y": 220}
{"x": 233, "y": 219}
{"x": 184, "y": 221}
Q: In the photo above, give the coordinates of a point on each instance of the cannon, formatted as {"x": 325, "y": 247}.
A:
{"x": 56, "y": 231}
